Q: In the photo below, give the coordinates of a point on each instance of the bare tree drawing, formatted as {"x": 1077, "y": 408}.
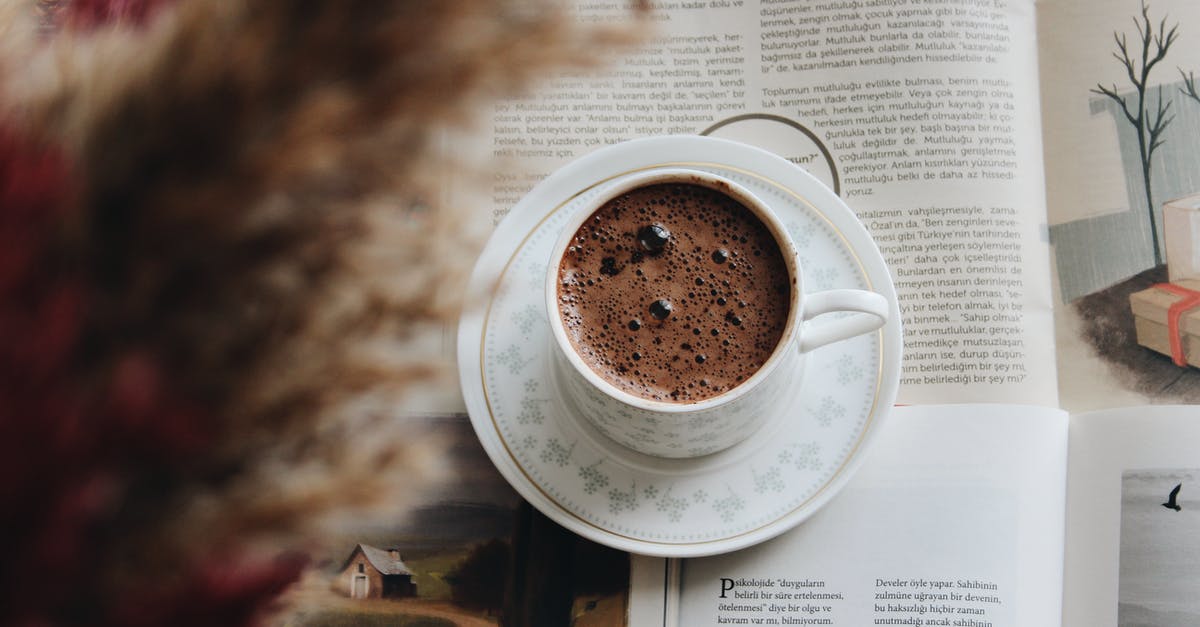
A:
{"x": 1189, "y": 85}
{"x": 1149, "y": 124}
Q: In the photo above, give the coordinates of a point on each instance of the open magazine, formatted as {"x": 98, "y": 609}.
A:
{"x": 962, "y": 515}
{"x": 1011, "y": 159}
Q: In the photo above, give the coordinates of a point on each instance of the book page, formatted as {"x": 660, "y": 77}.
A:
{"x": 923, "y": 117}
{"x": 1133, "y": 539}
{"x": 949, "y": 521}
{"x": 1118, "y": 150}
{"x": 465, "y": 549}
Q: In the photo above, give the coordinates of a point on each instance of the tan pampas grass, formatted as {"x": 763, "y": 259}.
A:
{"x": 254, "y": 218}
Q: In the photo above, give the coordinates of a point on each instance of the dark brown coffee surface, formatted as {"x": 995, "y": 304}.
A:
{"x": 674, "y": 292}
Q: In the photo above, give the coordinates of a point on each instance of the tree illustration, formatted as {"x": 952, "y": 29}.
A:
{"x": 478, "y": 581}
{"x": 1189, "y": 85}
{"x": 1149, "y": 124}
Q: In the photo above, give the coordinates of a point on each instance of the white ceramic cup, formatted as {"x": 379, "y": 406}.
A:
{"x": 678, "y": 429}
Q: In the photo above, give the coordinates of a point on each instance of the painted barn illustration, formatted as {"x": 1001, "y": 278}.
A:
{"x": 373, "y": 573}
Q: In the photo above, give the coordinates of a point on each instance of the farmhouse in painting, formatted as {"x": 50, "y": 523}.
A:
{"x": 372, "y": 573}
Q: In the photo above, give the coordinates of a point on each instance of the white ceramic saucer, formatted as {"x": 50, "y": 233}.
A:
{"x": 674, "y": 508}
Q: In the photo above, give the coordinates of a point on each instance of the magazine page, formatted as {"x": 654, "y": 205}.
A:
{"x": 950, "y": 521}
{"x": 653, "y": 591}
{"x": 470, "y": 551}
{"x": 923, "y": 117}
{"x": 1133, "y": 518}
{"x": 1120, "y": 115}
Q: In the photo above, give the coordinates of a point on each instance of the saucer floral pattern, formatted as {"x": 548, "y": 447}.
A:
{"x": 599, "y": 482}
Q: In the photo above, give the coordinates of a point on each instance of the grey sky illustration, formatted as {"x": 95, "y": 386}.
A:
{"x": 1160, "y": 547}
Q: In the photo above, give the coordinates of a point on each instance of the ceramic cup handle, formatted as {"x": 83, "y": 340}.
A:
{"x": 869, "y": 312}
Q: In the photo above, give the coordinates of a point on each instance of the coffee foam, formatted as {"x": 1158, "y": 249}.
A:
{"x": 721, "y": 271}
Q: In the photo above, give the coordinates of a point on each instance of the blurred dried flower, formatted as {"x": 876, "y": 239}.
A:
{"x": 220, "y": 246}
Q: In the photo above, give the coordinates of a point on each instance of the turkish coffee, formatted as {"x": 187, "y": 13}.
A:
{"x": 674, "y": 292}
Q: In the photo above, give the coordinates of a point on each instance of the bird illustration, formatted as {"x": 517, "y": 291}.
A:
{"x": 1171, "y": 502}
